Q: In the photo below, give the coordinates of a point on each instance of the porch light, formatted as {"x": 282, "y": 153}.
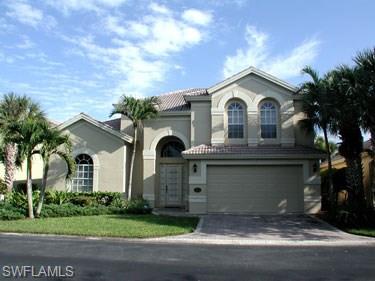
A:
{"x": 195, "y": 167}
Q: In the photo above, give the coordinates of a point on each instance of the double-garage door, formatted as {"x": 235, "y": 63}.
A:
{"x": 254, "y": 189}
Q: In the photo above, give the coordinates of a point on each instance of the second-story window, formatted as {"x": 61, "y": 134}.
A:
{"x": 235, "y": 121}
{"x": 268, "y": 120}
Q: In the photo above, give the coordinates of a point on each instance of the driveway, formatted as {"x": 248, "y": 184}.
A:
{"x": 267, "y": 229}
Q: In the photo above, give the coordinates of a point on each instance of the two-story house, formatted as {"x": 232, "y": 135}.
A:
{"x": 236, "y": 147}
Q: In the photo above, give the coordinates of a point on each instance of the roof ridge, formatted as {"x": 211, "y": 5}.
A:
{"x": 180, "y": 91}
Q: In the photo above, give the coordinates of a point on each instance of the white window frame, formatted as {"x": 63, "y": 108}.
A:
{"x": 268, "y": 117}
{"x": 236, "y": 117}
{"x": 80, "y": 176}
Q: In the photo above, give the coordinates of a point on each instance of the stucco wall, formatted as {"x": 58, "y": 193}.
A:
{"x": 252, "y": 90}
{"x": 200, "y": 123}
{"x": 107, "y": 152}
{"x": 154, "y": 131}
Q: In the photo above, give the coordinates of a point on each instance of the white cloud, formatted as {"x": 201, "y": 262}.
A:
{"x": 257, "y": 54}
{"x": 26, "y": 14}
{"x": 26, "y": 43}
{"x": 198, "y": 17}
{"x": 161, "y": 9}
{"x": 66, "y": 6}
{"x": 112, "y": 24}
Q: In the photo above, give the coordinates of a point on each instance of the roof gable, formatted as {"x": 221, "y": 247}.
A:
{"x": 254, "y": 71}
{"x": 96, "y": 123}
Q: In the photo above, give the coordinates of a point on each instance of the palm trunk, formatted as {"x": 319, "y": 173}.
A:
{"x": 10, "y": 164}
{"x": 132, "y": 162}
{"x": 354, "y": 178}
{"x": 43, "y": 188}
{"x": 29, "y": 188}
{"x": 331, "y": 191}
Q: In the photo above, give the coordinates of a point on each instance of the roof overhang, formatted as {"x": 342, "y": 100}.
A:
{"x": 255, "y": 71}
{"x": 96, "y": 123}
{"x": 250, "y": 156}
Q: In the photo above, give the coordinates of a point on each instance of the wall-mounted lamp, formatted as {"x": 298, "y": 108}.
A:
{"x": 195, "y": 168}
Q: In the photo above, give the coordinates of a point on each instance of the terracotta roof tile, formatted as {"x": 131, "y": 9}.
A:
{"x": 250, "y": 150}
{"x": 175, "y": 101}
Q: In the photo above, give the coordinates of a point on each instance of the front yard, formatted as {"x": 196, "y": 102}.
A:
{"x": 127, "y": 226}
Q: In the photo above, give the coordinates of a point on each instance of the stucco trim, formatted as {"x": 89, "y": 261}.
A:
{"x": 95, "y": 159}
{"x": 149, "y": 154}
{"x": 166, "y": 133}
{"x": 197, "y": 199}
{"x": 251, "y": 70}
{"x": 104, "y": 127}
{"x": 234, "y": 94}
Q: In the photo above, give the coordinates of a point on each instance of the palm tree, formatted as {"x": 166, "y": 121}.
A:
{"x": 321, "y": 144}
{"x": 365, "y": 69}
{"x": 13, "y": 109}
{"x": 31, "y": 132}
{"x": 346, "y": 123}
{"x": 136, "y": 110}
{"x": 54, "y": 143}
{"x": 317, "y": 105}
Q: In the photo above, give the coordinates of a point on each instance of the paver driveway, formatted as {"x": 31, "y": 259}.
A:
{"x": 279, "y": 227}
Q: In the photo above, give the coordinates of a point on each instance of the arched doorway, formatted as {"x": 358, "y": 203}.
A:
{"x": 172, "y": 170}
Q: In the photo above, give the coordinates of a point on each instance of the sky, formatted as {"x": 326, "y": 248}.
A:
{"x": 76, "y": 56}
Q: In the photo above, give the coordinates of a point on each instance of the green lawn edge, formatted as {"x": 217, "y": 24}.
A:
{"x": 115, "y": 226}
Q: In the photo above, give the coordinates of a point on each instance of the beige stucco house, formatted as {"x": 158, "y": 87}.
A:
{"x": 235, "y": 147}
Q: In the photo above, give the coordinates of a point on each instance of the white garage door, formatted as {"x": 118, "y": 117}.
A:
{"x": 254, "y": 189}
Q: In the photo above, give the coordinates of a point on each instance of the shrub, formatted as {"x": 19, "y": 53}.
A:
{"x": 83, "y": 200}
{"x": 3, "y": 187}
{"x": 19, "y": 199}
{"x": 9, "y": 212}
{"x": 69, "y": 210}
{"x": 137, "y": 206}
{"x": 56, "y": 197}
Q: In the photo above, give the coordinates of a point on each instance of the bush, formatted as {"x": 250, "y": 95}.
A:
{"x": 19, "y": 199}
{"x": 56, "y": 197}
{"x": 83, "y": 200}
{"x": 9, "y": 212}
{"x": 3, "y": 187}
{"x": 70, "y": 210}
{"x": 137, "y": 206}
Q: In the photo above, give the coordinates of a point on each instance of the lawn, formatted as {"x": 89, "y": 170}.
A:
{"x": 129, "y": 226}
{"x": 367, "y": 231}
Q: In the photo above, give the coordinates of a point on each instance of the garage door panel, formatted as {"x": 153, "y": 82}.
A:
{"x": 255, "y": 189}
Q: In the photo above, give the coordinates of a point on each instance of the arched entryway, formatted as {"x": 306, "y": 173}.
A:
{"x": 172, "y": 173}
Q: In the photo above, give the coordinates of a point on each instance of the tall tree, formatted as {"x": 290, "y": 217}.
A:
{"x": 54, "y": 143}
{"x": 137, "y": 110}
{"x": 14, "y": 109}
{"x": 346, "y": 123}
{"x": 321, "y": 144}
{"x": 317, "y": 105}
{"x": 365, "y": 70}
{"x": 31, "y": 132}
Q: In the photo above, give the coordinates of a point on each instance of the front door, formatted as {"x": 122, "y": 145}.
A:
{"x": 170, "y": 185}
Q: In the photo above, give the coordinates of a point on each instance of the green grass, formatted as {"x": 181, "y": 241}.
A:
{"x": 129, "y": 226}
{"x": 367, "y": 231}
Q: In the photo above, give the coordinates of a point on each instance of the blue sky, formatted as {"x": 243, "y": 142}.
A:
{"x": 77, "y": 56}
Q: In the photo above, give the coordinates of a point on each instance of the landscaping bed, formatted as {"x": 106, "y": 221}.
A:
{"x": 89, "y": 214}
{"x": 126, "y": 226}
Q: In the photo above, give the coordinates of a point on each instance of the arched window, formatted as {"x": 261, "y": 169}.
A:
{"x": 235, "y": 121}
{"x": 83, "y": 179}
{"x": 172, "y": 149}
{"x": 268, "y": 120}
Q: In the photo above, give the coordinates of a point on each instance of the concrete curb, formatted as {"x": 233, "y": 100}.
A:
{"x": 186, "y": 240}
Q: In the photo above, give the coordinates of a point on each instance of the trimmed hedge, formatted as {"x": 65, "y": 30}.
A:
{"x": 66, "y": 204}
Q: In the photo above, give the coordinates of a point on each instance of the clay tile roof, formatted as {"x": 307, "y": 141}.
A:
{"x": 175, "y": 101}
{"x": 249, "y": 150}
{"x": 114, "y": 123}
